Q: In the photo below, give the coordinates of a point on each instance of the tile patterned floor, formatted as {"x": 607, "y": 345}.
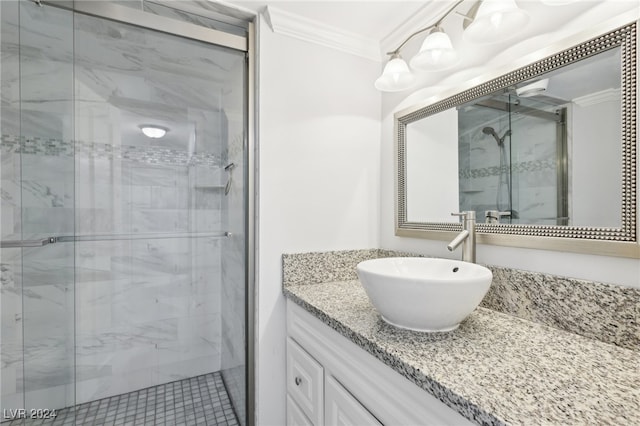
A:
{"x": 201, "y": 400}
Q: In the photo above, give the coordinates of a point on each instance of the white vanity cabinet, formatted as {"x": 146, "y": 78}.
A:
{"x": 342, "y": 408}
{"x": 305, "y": 383}
{"x": 332, "y": 381}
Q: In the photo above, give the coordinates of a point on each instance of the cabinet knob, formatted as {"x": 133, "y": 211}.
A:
{"x": 298, "y": 380}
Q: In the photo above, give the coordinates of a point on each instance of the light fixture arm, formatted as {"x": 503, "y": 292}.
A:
{"x": 420, "y": 31}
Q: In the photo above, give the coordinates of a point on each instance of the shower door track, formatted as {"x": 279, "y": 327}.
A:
{"x": 112, "y": 237}
{"x": 138, "y": 18}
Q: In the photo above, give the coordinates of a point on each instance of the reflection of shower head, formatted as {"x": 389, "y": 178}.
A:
{"x": 229, "y": 168}
{"x": 492, "y": 132}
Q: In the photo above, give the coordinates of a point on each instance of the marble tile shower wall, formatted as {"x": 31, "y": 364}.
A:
{"x": 37, "y": 283}
{"x": 146, "y": 311}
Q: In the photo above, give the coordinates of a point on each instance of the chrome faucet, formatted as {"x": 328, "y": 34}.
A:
{"x": 493, "y": 216}
{"x": 467, "y": 237}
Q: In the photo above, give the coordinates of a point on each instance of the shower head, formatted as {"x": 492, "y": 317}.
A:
{"x": 492, "y": 132}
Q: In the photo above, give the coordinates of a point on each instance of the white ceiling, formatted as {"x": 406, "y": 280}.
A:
{"x": 388, "y": 23}
{"x": 370, "y": 19}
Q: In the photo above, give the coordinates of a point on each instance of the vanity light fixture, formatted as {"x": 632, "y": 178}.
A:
{"x": 494, "y": 20}
{"x": 396, "y": 75}
{"x": 436, "y": 53}
{"x": 153, "y": 131}
{"x": 487, "y": 21}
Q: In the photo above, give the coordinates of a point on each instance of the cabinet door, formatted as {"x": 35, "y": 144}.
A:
{"x": 295, "y": 416}
{"x": 341, "y": 408}
{"x": 305, "y": 382}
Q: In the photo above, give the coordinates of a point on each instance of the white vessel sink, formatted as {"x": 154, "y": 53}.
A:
{"x": 424, "y": 294}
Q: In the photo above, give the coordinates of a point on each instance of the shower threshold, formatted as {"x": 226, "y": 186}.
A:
{"x": 201, "y": 400}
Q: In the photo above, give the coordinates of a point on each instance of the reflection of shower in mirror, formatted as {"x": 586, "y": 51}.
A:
{"x": 504, "y": 175}
{"x": 229, "y": 168}
{"x": 492, "y": 132}
{"x": 533, "y": 89}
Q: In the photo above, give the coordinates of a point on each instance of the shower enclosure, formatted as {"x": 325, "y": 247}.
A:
{"x": 124, "y": 256}
{"x": 512, "y": 159}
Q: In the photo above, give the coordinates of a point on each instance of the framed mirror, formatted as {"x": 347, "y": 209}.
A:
{"x": 545, "y": 154}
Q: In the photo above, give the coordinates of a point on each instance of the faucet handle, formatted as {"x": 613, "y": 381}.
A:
{"x": 466, "y": 215}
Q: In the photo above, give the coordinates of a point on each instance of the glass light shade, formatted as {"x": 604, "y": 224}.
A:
{"x": 436, "y": 53}
{"x": 395, "y": 77}
{"x": 496, "y": 20}
{"x": 557, "y": 2}
{"x": 153, "y": 132}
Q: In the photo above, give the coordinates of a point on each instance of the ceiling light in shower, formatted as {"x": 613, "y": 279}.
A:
{"x": 532, "y": 89}
{"x": 153, "y": 131}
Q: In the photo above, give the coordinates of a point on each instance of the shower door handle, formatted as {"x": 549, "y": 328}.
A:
{"x": 27, "y": 243}
{"x": 115, "y": 237}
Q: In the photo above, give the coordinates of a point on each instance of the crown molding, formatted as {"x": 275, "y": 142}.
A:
{"x": 292, "y": 25}
{"x": 606, "y": 95}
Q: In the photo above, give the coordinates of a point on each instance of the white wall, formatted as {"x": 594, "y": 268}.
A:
{"x": 600, "y": 268}
{"x": 325, "y": 178}
{"x": 319, "y": 164}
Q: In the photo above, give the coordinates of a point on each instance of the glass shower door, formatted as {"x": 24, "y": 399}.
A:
{"x": 160, "y": 283}
{"x": 539, "y": 161}
{"x": 38, "y": 346}
{"x": 484, "y": 151}
{"x": 513, "y": 159}
{"x": 123, "y": 252}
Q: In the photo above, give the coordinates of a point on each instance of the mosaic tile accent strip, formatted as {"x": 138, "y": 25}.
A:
{"x": 201, "y": 400}
{"x": 49, "y": 147}
{"x": 522, "y": 167}
{"x": 142, "y": 154}
{"x": 609, "y": 313}
{"x": 495, "y": 369}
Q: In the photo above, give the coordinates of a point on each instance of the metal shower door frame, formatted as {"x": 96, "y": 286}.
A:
{"x": 246, "y": 44}
{"x": 139, "y": 18}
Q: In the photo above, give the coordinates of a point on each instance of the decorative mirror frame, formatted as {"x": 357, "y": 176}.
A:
{"x": 621, "y": 241}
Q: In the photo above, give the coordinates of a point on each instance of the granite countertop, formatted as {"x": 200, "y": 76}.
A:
{"x": 495, "y": 368}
